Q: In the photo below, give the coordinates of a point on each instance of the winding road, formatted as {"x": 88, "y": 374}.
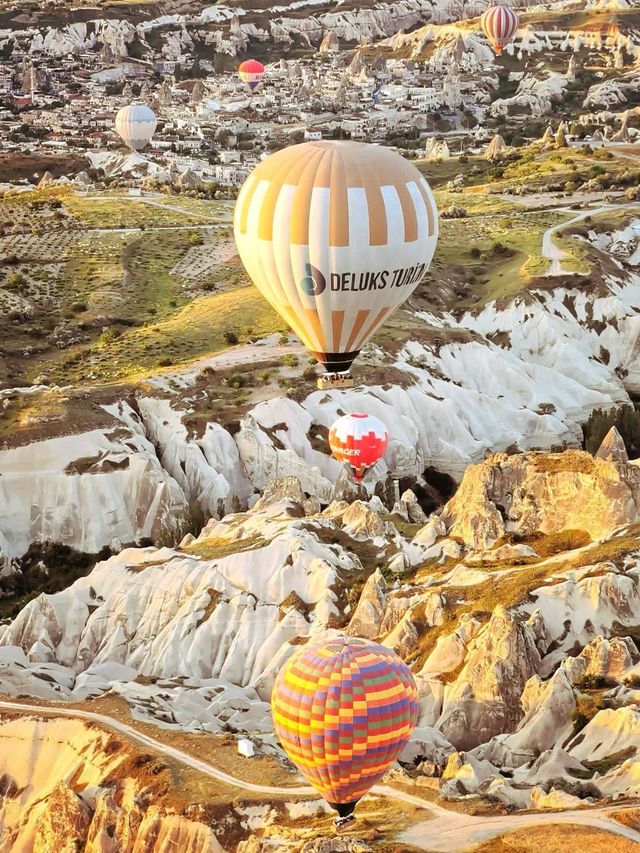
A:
{"x": 445, "y": 831}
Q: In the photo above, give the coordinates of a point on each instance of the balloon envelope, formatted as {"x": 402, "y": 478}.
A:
{"x": 136, "y": 125}
{"x": 336, "y": 235}
{"x": 251, "y": 72}
{"x": 358, "y": 441}
{"x": 343, "y": 710}
{"x": 499, "y": 24}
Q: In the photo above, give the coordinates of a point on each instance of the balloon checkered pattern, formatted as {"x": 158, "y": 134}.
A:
{"x": 343, "y": 710}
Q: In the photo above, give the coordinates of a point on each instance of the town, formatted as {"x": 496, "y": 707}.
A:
{"x": 434, "y": 93}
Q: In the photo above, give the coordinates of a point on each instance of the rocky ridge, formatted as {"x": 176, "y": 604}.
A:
{"x": 521, "y": 635}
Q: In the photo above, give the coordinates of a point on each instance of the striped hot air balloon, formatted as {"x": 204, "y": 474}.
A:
{"x": 251, "y": 72}
{"x": 336, "y": 235}
{"x": 343, "y": 710}
{"x": 499, "y": 24}
{"x": 136, "y": 125}
{"x": 358, "y": 441}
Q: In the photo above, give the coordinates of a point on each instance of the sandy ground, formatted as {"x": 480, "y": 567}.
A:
{"x": 443, "y": 832}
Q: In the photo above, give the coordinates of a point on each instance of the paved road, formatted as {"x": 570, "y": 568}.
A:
{"x": 445, "y": 831}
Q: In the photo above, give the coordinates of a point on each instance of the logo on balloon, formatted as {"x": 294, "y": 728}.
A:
{"x": 313, "y": 283}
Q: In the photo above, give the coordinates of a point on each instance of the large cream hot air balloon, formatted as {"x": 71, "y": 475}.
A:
{"x": 336, "y": 235}
{"x": 136, "y": 125}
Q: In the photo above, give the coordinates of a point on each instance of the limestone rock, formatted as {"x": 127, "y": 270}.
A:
{"x": 555, "y": 799}
{"x": 415, "y": 512}
{"x": 496, "y": 149}
{"x": 466, "y": 771}
{"x": 549, "y": 711}
{"x": 485, "y": 698}
{"x": 426, "y": 744}
{"x": 336, "y": 845}
{"x": 552, "y": 764}
{"x": 63, "y": 824}
{"x": 367, "y": 619}
{"x": 531, "y": 492}
{"x": 311, "y": 506}
{"x": 612, "y": 447}
{"x": 608, "y": 733}
{"x": 602, "y": 659}
{"x": 360, "y": 520}
{"x": 281, "y": 489}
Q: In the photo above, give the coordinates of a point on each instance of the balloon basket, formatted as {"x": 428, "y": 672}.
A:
{"x": 335, "y": 380}
{"x": 343, "y": 822}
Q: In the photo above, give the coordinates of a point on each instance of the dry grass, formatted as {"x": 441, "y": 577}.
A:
{"x": 218, "y": 547}
{"x": 558, "y": 839}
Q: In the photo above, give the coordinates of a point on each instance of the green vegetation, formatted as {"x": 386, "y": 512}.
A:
{"x": 625, "y": 419}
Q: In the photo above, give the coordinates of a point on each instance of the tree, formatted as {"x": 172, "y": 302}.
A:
{"x": 236, "y": 506}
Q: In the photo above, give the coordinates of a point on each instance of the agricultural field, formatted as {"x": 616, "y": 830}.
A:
{"x": 104, "y": 288}
{"x": 111, "y": 288}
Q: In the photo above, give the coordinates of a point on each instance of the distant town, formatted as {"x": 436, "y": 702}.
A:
{"x": 212, "y": 130}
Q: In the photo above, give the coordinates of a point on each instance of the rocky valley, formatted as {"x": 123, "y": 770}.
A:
{"x": 173, "y": 524}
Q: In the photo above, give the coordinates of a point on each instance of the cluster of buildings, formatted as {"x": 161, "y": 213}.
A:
{"x": 211, "y": 124}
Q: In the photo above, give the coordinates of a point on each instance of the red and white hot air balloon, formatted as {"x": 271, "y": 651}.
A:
{"x": 499, "y": 24}
{"x": 251, "y": 72}
{"x": 358, "y": 441}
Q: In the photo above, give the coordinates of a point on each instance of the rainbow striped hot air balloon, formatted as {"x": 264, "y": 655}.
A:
{"x": 251, "y": 72}
{"x": 499, "y": 24}
{"x": 343, "y": 710}
{"x": 336, "y": 236}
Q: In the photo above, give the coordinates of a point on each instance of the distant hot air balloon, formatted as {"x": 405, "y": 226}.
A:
{"x": 136, "y": 124}
{"x": 358, "y": 441}
{"x": 336, "y": 235}
{"x": 499, "y": 24}
{"x": 343, "y": 710}
{"x": 251, "y": 72}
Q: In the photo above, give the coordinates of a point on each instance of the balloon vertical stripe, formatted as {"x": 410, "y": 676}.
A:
{"x": 499, "y": 24}
{"x": 336, "y": 235}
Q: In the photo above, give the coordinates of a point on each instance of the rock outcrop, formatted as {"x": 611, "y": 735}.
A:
{"x": 484, "y": 700}
{"x": 529, "y": 493}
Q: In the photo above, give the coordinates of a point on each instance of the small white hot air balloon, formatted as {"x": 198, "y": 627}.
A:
{"x": 136, "y": 125}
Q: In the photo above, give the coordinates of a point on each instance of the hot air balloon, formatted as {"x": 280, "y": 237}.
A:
{"x": 343, "y": 710}
{"x": 358, "y": 441}
{"x": 499, "y": 24}
{"x": 136, "y": 125}
{"x": 251, "y": 72}
{"x": 336, "y": 235}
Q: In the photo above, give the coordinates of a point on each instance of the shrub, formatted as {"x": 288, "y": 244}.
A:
{"x": 230, "y": 337}
{"x": 15, "y": 281}
{"x": 309, "y": 373}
